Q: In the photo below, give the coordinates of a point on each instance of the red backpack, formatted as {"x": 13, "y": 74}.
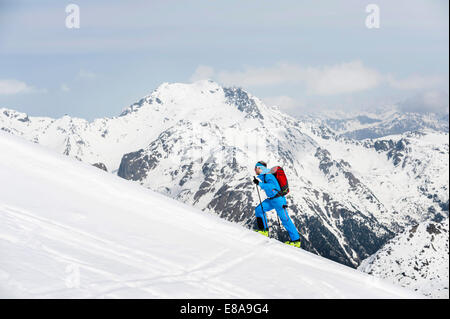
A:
{"x": 279, "y": 174}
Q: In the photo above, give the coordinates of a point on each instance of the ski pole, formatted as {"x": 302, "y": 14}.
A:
{"x": 262, "y": 208}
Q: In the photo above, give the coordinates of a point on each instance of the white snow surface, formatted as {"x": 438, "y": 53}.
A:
{"x": 70, "y": 230}
{"x": 417, "y": 259}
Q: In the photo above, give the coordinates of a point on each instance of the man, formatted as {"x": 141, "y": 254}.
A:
{"x": 271, "y": 187}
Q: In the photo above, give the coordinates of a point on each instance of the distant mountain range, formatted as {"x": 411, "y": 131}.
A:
{"x": 365, "y": 125}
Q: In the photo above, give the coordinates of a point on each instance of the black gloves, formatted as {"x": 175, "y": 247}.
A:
{"x": 255, "y": 181}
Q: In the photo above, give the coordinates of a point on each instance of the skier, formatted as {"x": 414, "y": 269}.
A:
{"x": 274, "y": 200}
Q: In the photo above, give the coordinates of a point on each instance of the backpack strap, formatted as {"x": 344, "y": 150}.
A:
{"x": 276, "y": 196}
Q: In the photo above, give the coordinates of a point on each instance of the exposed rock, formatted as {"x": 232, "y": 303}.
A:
{"x": 101, "y": 166}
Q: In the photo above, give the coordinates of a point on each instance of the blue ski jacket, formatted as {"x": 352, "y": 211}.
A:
{"x": 269, "y": 184}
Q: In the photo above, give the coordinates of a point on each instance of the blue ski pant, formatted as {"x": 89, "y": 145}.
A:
{"x": 277, "y": 204}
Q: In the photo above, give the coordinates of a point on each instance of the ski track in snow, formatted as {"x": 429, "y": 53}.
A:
{"x": 200, "y": 273}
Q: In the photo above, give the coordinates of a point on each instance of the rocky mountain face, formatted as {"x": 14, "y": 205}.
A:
{"x": 417, "y": 258}
{"x": 199, "y": 142}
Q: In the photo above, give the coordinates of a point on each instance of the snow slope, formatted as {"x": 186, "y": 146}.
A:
{"x": 68, "y": 229}
{"x": 416, "y": 259}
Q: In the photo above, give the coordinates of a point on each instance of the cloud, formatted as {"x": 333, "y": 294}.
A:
{"x": 415, "y": 82}
{"x": 262, "y": 76}
{"x": 434, "y": 101}
{"x": 11, "y": 87}
{"x": 329, "y": 80}
{"x": 284, "y": 102}
{"x": 326, "y": 80}
{"x": 341, "y": 78}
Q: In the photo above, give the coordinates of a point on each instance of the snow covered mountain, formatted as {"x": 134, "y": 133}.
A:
{"x": 417, "y": 259}
{"x": 198, "y": 143}
{"x": 69, "y": 230}
{"x": 407, "y": 173}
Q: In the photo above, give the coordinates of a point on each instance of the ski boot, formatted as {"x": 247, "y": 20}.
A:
{"x": 262, "y": 232}
{"x": 295, "y": 243}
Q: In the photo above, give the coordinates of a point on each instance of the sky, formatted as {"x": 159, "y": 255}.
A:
{"x": 303, "y": 56}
